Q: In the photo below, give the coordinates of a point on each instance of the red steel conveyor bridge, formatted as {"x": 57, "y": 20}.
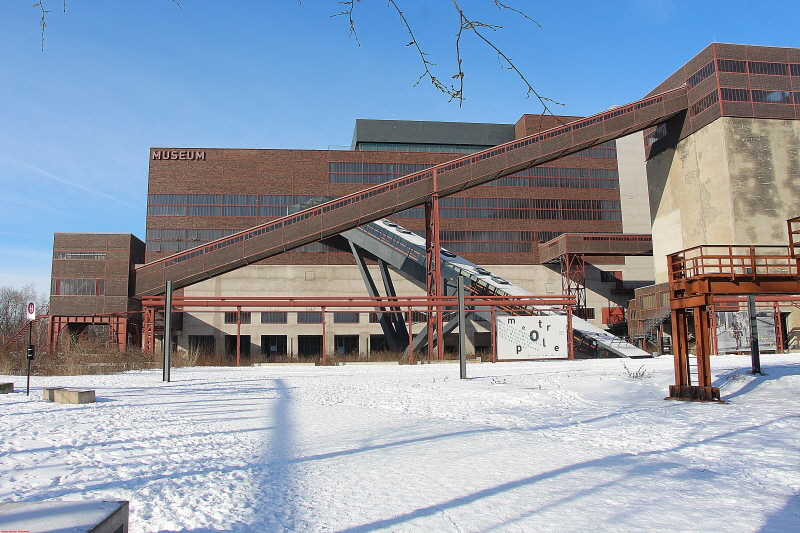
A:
{"x": 424, "y": 187}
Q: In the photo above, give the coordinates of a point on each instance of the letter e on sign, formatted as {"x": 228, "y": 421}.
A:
{"x": 30, "y": 309}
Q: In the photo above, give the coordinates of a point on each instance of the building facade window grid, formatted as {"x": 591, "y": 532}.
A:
{"x": 58, "y": 254}
{"x": 242, "y": 205}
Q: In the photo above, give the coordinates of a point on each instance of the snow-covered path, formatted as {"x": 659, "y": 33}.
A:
{"x": 547, "y": 446}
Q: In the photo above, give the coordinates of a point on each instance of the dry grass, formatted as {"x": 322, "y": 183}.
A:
{"x": 94, "y": 357}
{"x": 82, "y": 357}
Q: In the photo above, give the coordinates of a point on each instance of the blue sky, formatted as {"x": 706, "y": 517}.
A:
{"x": 115, "y": 78}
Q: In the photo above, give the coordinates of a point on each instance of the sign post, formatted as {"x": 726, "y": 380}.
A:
{"x": 755, "y": 356}
{"x": 462, "y": 327}
{"x": 30, "y": 311}
{"x": 167, "y": 344}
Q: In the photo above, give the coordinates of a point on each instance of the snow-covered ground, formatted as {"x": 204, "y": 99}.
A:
{"x": 539, "y": 446}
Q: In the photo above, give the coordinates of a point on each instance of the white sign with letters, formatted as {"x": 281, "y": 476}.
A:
{"x": 532, "y": 337}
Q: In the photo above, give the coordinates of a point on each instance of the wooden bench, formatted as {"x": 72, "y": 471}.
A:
{"x": 62, "y": 395}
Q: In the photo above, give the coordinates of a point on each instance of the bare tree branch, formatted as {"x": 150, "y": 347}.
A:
{"x": 43, "y": 21}
{"x": 476, "y": 26}
{"x": 456, "y": 90}
{"x": 501, "y": 5}
{"x": 349, "y": 12}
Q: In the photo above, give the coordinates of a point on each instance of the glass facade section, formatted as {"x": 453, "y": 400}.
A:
{"x": 461, "y": 242}
{"x": 529, "y": 209}
{"x": 700, "y": 75}
{"x": 77, "y": 287}
{"x": 230, "y": 317}
{"x": 416, "y": 147}
{"x": 732, "y": 65}
{"x": 568, "y": 178}
{"x": 342, "y": 317}
{"x": 273, "y": 317}
{"x": 370, "y": 173}
{"x": 771, "y": 97}
{"x": 309, "y": 317}
{"x": 214, "y": 205}
{"x": 704, "y": 103}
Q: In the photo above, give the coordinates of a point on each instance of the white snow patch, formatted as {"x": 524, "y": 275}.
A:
{"x": 530, "y": 446}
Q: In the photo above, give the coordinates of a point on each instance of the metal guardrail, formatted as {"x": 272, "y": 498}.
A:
{"x": 732, "y": 262}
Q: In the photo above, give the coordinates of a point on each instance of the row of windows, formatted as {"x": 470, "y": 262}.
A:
{"x": 178, "y": 240}
{"x": 532, "y": 214}
{"x": 700, "y": 75}
{"x": 571, "y": 178}
{"x": 58, "y": 254}
{"x": 241, "y": 205}
{"x": 659, "y": 133}
{"x": 521, "y": 209}
{"x": 460, "y": 242}
{"x": 757, "y": 95}
{"x": 528, "y": 203}
{"x": 77, "y": 287}
{"x": 743, "y": 67}
{"x": 357, "y": 172}
{"x": 418, "y": 147}
{"x": 303, "y": 317}
{"x": 704, "y": 103}
{"x": 603, "y": 150}
{"x": 244, "y": 205}
{"x": 758, "y": 67}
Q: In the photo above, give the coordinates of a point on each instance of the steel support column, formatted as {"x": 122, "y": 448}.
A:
{"x": 322, "y": 344}
{"x": 680, "y": 347}
{"x": 388, "y": 287}
{"x": 494, "y": 338}
{"x": 238, "y": 336}
{"x": 573, "y": 280}
{"x": 713, "y": 340}
{"x": 776, "y": 313}
{"x": 410, "y": 337}
{"x": 149, "y": 329}
{"x": 702, "y": 336}
{"x": 570, "y": 341}
{"x": 390, "y": 322}
{"x": 434, "y": 273}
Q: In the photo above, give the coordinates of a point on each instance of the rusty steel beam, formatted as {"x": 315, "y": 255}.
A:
{"x": 433, "y": 270}
{"x": 366, "y": 301}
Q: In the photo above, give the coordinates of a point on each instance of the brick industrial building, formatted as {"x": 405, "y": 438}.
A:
{"x": 681, "y": 162}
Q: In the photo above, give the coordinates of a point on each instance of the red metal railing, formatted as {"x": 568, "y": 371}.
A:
{"x": 794, "y": 236}
{"x": 731, "y": 262}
